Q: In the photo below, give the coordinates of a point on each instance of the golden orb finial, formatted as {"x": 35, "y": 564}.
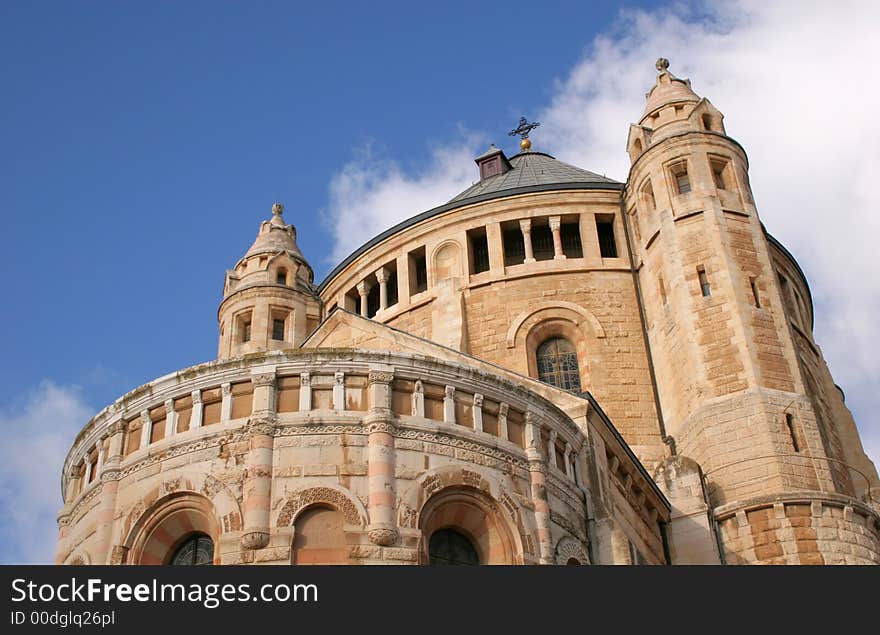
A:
{"x": 525, "y": 144}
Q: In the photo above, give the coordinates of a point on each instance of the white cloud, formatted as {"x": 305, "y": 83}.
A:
{"x": 36, "y": 438}
{"x": 371, "y": 194}
{"x": 797, "y": 83}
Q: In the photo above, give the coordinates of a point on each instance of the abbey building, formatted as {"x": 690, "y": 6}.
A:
{"x": 551, "y": 368}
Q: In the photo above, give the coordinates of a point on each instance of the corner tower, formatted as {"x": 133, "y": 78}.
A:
{"x": 269, "y": 298}
{"x": 728, "y": 375}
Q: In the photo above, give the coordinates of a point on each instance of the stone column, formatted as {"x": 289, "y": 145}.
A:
{"x": 478, "y": 412}
{"x": 551, "y": 449}
{"x": 418, "y": 400}
{"x": 381, "y": 460}
{"x": 109, "y": 476}
{"x": 146, "y": 429}
{"x": 568, "y": 467}
{"x": 305, "y": 392}
{"x": 502, "y": 420}
{"x": 538, "y": 477}
{"x": 170, "y": 418}
{"x": 555, "y": 226}
{"x": 257, "y": 490}
{"x": 382, "y": 277}
{"x": 197, "y": 410}
{"x": 449, "y": 405}
{"x": 525, "y": 226}
{"x": 99, "y": 466}
{"x": 226, "y": 403}
{"x": 87, "y": 474}
{"x": 339, "y": 391}
{"x": 363, "y": 289}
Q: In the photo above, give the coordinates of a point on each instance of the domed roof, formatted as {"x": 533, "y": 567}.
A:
{"x": 668, "y": 89}
{"x": 535, "y": 171}
{"x": 275, "y": 235}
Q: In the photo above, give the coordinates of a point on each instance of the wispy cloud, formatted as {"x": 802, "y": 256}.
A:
{"x": 372, "y": 193}
{"x": 795, "y": 81}
{"x": 36, "y": 438}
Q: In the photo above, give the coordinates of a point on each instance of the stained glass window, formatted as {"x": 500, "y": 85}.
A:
{"x": 558, "y": 364}
{"x": 450, "y": 547}
{"x": 197, "y": 549}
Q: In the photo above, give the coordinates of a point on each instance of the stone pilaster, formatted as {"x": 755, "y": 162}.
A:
{"x": 449, "y": 405}
{"x": 226, "y": 403}
{"x": 109, "y": 475}
{"x": 170, "y": 418}
{"x": 146, "y": 430}
{"x": 339, "y": 391}
{"x": 381, "y": 460}
{"x": 257, "y": 491}
{"x": 478, "y": 412}
{"x": 538, "y": 477}
{"x": 305, "y": 392}
{"x": 418, "y": 399}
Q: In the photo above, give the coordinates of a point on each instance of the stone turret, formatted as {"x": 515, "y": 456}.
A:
{"x": 269, "y": 298}
{"x": 727, "y": 369}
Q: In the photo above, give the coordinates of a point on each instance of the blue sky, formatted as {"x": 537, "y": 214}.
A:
{"x": 144, "y": 142}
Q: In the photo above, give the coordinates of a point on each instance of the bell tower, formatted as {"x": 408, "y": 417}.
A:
{"x": 269, "y": 298}
{"x": 728, "y": 376}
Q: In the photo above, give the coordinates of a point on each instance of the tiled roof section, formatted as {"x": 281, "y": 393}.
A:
{"x": 535, "y": 169}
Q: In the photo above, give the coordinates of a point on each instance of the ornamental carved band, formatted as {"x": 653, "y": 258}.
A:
{"x": 381, "y": 426}
{"x": 380, "y": 377}
{"x": 262, "y": 426}
{"x": 327, "y": 495}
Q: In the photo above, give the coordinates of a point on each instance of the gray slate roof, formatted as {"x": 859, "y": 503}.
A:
{"x": 536, "y": 169}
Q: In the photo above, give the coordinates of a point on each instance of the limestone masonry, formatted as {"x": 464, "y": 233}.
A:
{"x": 551, "y": 368}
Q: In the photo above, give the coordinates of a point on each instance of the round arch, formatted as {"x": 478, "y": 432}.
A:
{"x": 471, "y": 513}
{"x": 170, "y": 520}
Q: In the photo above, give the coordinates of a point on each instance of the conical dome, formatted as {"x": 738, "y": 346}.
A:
{"x": 668, "y": 89}
{"x": 275, "y": 236}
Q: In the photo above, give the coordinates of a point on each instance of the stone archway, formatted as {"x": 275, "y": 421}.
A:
{"x": 167, "y": 523}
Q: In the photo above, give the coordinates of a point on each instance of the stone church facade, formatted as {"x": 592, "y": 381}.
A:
{"x": 551, "y": 368}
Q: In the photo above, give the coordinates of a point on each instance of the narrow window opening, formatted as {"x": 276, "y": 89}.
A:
{"x": 789, "y": 422}
{"x": 278, "y": 329}
{"x": 718, "y": 169}
{"x": 392, "y": 288}
{"x": 418, "y": 271}
{"x": 605, "y": 232}
{"x": 246, "y": 334}
{"x": 479, "y": 246}
{"x": 662, "y": 286}
{"x": 557, "y": 363}
{"x": 571, "y": 240}
{"x": 707, "y": 121}
{"x": 648, "y": 196}
{"x": 281, "y": 277}
{"x": 753, "y": 282}
{"x": 244, "y": 328}
{"x": 705, "y": 289}
{"x": 682, "y": 180}
{"x": 373, "y": 300}
{"x": 514, "y": 246}
{"x": 542, "y": 242}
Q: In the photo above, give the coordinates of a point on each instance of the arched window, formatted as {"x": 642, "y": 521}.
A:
{"x": 450, "y": 547}
{"x": 558, "y": 364}
{"x": 196, "y": 549}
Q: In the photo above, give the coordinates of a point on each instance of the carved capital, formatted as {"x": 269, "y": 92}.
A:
{"x": 305, "y": 379}
{"x": 116, "y": 428}
{"x": 381, "y": 275}
{"x": 502, "y": 409}
{"x": 255, "y": 540}
{"x": 226, "y": 389}
{"x": 263, "y": 379}
{"x": 418, "y": 387}
{"x": 555, "y": 223}
{"x": 264, "y": 425}
{"x": 478, "y": 400}
{"x": 196, "y": 396}
{"x": 169, "y": 406}
{"x": 383, "y": 536}
{"x": 363, "y": 288}
{"x": 449, "y": 392}
{"x": 339, "y": 377}
{"x": 381, "y": 377}
{"x": 525, "y": 225}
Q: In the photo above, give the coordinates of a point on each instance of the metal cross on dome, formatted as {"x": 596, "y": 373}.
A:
{"x": 524, "y": 128}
